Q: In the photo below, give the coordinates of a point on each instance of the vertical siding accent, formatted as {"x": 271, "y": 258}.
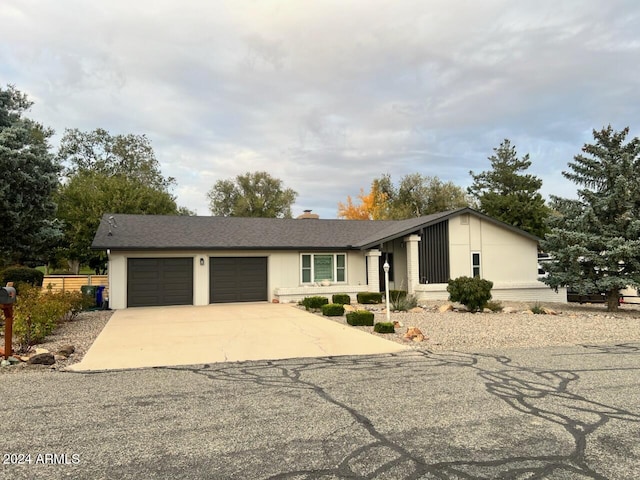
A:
{"x": 434, "y": 253}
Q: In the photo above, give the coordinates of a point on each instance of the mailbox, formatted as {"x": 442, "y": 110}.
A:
{"x": 7, "y": 295}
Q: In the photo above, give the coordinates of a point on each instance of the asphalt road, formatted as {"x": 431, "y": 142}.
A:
{"x": 553, "y": 413}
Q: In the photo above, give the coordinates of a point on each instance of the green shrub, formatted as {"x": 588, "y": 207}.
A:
{"x": 37, "y": 313}
{"x": 360, "y": 318}
{"x": 18, "y": 275}
{"x": 341, "y": 298}
{"x": 473, "y": 293}
{"x": 333, "y": 309}
{"x": 384, "y": 327}
{"x": 538, "y": 309}
{"x": 314, "y": 303}
{"x": 494, "y": 306}
{"x": 369, "y": 297}
{"x": 403, "y": 303}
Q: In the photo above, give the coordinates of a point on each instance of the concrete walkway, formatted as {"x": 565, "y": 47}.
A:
{"x": 188, "y": 335}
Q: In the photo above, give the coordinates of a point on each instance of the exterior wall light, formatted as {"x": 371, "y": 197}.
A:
{"x": 201, "y": 262}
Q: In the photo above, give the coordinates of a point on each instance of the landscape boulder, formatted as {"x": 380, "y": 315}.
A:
{"x": 42, "y": 359}
{"x": 414, "y": 333}
{"x": 67, "y": 350}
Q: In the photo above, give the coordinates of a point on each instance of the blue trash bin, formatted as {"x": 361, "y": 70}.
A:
{"x": 99, "y": 294}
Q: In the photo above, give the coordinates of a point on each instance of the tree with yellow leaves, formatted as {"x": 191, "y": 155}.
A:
{"x": 373, "y": 205}
{"x": 415, "y": 196}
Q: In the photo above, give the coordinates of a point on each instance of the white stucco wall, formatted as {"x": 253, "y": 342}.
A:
{"x": 283, "y": 271}
{"x": 506, "y": 257}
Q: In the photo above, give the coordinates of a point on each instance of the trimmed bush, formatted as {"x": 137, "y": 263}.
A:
{"x": 341, "y": 298}
{"x": 21, "y": 275}
{"x": 314, "y": 302}
{"x": 369, "y": 297}
{"x": 384, "y": 327}
{"x": 473, "y": 293}
{"x": 333, "y": 309}
{"x": 360, "y": 318}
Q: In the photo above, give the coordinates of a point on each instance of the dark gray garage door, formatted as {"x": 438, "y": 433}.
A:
{"x": 159, "y": 281}
{"x": 237, "y": 279}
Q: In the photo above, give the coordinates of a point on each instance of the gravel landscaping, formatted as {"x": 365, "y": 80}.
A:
{"x": 572, "y": 324}
{"x": 79, "y": 333}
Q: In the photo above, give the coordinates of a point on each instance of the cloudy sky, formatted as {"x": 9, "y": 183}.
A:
{"x": 327, "y": 95}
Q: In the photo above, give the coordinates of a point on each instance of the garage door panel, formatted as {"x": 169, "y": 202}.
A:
{"x": 159, "y": 281}
{"x": 238, "y": 279}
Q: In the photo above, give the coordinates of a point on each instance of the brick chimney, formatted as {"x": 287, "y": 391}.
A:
{"x": 308, "y": 214}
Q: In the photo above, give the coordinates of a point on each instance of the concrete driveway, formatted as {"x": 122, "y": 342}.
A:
{"x": 188, "y": 335}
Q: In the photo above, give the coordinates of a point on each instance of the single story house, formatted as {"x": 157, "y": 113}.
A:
{"x": 183, "y": 260}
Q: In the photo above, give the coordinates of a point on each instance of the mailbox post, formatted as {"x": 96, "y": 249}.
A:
{"x": 7, "y": 299}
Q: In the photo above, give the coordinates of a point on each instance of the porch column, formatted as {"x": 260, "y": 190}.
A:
{"x": 413, "y": 266}
{"x": 373, "y": 269}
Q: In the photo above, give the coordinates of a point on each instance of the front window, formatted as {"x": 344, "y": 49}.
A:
{"x": 319, "y": 267}
{"x": 475, "y": 264}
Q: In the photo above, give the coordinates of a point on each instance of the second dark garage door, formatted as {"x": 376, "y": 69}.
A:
{"x": 237, "y": 279}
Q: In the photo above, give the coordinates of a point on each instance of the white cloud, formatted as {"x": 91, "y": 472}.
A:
{"x": 328, "y": 95}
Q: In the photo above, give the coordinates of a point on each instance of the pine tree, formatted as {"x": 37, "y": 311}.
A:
{"x": 505, "y": 194}
{"x": 595, "y": 239}
{"x": 28, "y": 180}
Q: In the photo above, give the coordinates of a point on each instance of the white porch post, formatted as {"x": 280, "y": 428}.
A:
{"x": 413, "y": 267}
{"x": 373, "y": 269}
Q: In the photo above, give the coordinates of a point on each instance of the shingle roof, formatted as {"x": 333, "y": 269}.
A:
{"x": 157, "y": 232}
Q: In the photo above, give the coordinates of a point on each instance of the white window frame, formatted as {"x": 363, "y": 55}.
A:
{"x": 312, "y": 266}
{"x": 476, "y": 266}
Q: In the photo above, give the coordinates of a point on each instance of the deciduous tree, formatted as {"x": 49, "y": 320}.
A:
{"x": 416, "y": 195}
{"x": 372, "y": 206}
{"x": 256, "y": 194}
{"x": 107, "y": 174}
{"x": 595, "y": 239}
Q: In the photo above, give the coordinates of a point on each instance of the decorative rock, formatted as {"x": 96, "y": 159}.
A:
{"x": 67, "y": 350}
{"x": 13, "y": 360}
{"x": 275, "y": 300}
{"x": 349, "y": 308}
{"x": 528, "y": 312}
{"x": 5, "y": 363}
{"x": 549, "y": 311}
{"x": 42, "y": 359}
{"x": 41, "y": 350}
{"x": 445, "y": 308}
{"x": 487, "y": 310}
{"x": 419, "y": 338}
{"x": 397, "y": 324}
{"x": 509, "y": 310}
{"x": 412, "y": 333}
{"x": 416, "y": 310}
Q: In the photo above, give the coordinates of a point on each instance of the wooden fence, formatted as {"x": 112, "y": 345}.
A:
{"x": 59, "y": 283}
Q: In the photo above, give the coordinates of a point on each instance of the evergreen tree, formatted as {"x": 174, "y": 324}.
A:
{"x": 595, "y": 240}
{"x": 28, "y": 180}
{"x": 506, "y": 194}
